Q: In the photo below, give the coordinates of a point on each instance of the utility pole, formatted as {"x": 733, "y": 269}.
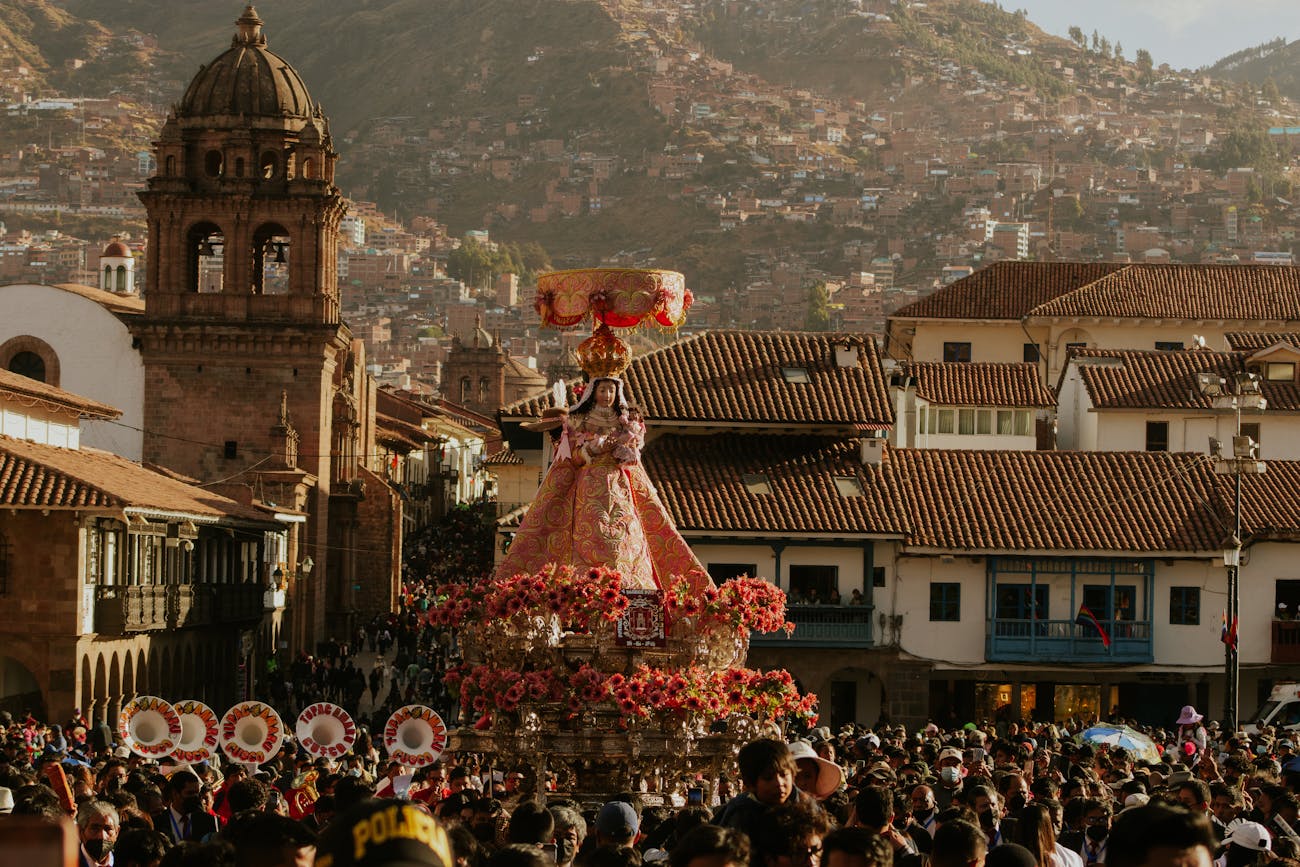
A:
{"x": 1242, "y": 392}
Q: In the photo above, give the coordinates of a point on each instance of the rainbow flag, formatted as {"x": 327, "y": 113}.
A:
{"x": 1229, "y": 636}
{"x": 1085, "y": 617}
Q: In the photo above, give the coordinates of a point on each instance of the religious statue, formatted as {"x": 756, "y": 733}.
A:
{"x": 596, "y": 506}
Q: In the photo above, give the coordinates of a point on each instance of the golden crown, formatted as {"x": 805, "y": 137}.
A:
{"x": 603, "y": 354}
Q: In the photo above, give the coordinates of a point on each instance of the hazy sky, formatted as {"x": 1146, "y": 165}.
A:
{"x": 1182, "y": 33}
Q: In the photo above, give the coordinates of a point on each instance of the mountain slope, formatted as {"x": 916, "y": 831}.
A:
{"x": 1276, "y": 60}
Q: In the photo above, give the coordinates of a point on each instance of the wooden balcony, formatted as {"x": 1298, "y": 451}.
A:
{"x": 1286, "y": 641}
{"x": 126, "y": 610}
{"x": 822, "y": 626}
{"x": 1066, "y": 641}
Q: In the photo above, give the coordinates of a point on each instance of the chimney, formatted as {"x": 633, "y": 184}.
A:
{"x": 872, "y": 450}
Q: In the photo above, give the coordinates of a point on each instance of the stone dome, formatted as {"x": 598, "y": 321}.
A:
{"x": 116, "y": 250}
{"x": 248, "y": 80}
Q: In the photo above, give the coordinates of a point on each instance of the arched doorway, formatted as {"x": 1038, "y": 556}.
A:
{"x": 856, "y": 695}
{"x": 20, "y": 693}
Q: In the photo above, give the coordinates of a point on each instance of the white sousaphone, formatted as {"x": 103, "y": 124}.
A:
{"x": 149, "y": 727}
{"x": 415, "y": 735}
{"x": 251, "y": 733}
{"x": 325, "y": 730}
{"x": 200, "y": 732}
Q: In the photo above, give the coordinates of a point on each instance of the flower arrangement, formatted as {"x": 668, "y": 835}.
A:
{"x": 741, "y": 605}
{"x": 695, "y": 696}
{"x": 575, "y": 598}
{"x": 543, "y": 643}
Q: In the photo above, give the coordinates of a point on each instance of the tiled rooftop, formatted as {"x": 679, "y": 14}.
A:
{"x": 1054, "y": 500}
{"x": 702, "y": 481}
{"x": 1257, "y": 340}
{"x": 505, "y": 457}
{"x": 788, "y": 379}
{"x": 1150, "y": 379}
{"x": 1018, "y": 290}
{"x": 35, "y": 475}
{"x": 1005, "y": 290}
{"x": 959, "y": 500}
{"x": 953, "y": 383}
{"x": 1187, "y": 292}
{"x": 15, "y": 385}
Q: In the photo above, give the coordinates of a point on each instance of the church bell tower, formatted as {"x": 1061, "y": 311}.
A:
{"x": 241, "y": 331}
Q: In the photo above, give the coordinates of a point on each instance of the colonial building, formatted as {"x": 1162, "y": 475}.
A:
{"x": 480, "y": 375}
{"x": 1039, "y": 311}
{"x": 76, "y": 338}
{"x": 118, "y": 579}
{"x": 1129, "y": 400}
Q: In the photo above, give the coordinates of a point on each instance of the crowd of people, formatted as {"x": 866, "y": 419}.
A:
{"x": 1007, "y": 795}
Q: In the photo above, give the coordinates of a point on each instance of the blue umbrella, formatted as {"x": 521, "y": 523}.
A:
{"x": 1138, "y": 745}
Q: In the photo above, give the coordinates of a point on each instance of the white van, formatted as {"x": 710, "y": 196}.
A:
{"x": 1281, "y": 711}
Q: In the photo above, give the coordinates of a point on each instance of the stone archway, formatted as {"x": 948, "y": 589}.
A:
{"x": 98, "y": 711}
{"x": 114, "y": 693}
{"x": 20, "y": 691}
{"x": 854, "y": 694}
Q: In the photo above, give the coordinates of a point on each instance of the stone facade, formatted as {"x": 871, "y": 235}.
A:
{"x": 241, "y": 337}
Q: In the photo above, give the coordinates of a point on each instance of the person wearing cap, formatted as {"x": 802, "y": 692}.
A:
{"x": 951, "y": 775}
{"x": 616, "y": 824}
{"x": 377, "y": 833}
{"x": 6, "y": 801}
{"x": 1245, "y": 844}
{"x": 814, "y": 775}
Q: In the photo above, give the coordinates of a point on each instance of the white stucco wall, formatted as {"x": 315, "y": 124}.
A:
{"x": 38, "y": 425}
{"x": 909, "y": 596}
{"x": 95, "y": 357}
{"x": 993, "y": 341}
{"x": 1263, "y": 565}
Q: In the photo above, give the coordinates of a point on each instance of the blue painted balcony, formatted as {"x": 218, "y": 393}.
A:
{"x": 1015, "y": 640}
{"x": 822, "y": 626}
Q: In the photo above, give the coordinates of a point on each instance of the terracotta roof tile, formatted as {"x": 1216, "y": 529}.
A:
{"x": 35, "y": 475}
{"x": 1076, "y": 501}
{"x": 22, "y": 387}
{"x": 1151, "y": 379}
{"x": 1257, "y": 340}
{"x": 1005, "y": 290}
{"x": 110, "y": 300}
{"x": 960, "y": 384}
{"x": 1270, "y": 501}
{"x": 505, "y": 457}
{"x": 740, "y": 377}
{"x": 1187, "y": 292}
{"x": 701, "y": 481}
{"x": 1018, "y": 290}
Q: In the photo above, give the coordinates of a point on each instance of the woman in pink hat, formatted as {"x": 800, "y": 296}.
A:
{"x": 1190, "y": 730}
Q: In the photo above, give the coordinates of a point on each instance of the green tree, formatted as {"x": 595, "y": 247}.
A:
{"x": 1143, "y": 60}
{"x": 1077, "y": 37}
{"x": 1269, "y": 91}
{"x": 471, "y": 263}
{"x": 819, "y": 314}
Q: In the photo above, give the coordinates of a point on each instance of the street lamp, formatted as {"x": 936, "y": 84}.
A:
{"x": 1242, "y": 392}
